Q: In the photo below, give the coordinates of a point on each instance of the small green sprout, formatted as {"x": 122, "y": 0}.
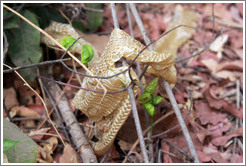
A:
{"x": 148, "y": 100}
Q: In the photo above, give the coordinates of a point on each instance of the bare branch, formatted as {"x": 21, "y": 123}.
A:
{"x": 181, "y": 121}
{"x": 168, "y": 89}
{"x": 114, "y": 15}
{"x": 138, "y": 125}
{"x": 34, "y": 65}
{"x": 132, "y": 98}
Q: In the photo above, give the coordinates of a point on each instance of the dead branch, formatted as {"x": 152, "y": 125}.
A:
{"x": 78, "y": 137}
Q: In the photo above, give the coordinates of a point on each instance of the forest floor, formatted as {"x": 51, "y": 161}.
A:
{"x": 213, "y": 81}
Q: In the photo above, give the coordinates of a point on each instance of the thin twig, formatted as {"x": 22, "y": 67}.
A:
{"x": 114, "y": 15}
{"x": 12, "y": 14}
{"x": 129, "y": 19}
{"x": 45, "y": 107}
{"x": 138, "y": 126}
{"x": 34, "y": 65}
{"x": 78, "y": 87}
{"x": 26, "y": 118}
{"x": 105, "y": 155}
{"x": 171, "y": 129}
{"x": 181, "y": 121}
{"x": 178, "y": 149}
{"x": 140, "y": 25}
{"x": 168, "y": 89}
{"x": 57, "y": 113}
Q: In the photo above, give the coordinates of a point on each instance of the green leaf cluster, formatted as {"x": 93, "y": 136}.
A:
{"x": 87, "y": 51}
{"x": 148, "y": 100}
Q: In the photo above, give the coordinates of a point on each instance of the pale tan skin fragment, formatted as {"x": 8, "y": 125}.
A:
{"x": 111, "y": 113}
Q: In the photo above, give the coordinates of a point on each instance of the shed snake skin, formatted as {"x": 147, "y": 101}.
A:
{"x": 111, "y": 113}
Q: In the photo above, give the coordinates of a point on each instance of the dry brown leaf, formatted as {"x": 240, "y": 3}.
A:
{"x": 216, "y": 103}
{"x": 166, "y": 157}
{"x": 239, "y": 52}
{"x": 234, "y": 65}
{"x": 222, "y": 140}
{"x": 197, "y": 95}
{"x": 49, "y": 148}
{"x": 69, "y": 155}
{"x": 225, "y": 74}
{"x": 218, "y": 44}
{"x": 37, "y": 108}
{"x": 220, "y": 128}
{"x": 25, "y": 112}
{"x": 203, "y": 157}
{"x": 124, "y": 145}
{"x": 10, "y": 98}
{"x": 206, "y": 115}
{"x": 232, "y": 158}
{"x": 38, "y": 134}
{"x": 211, "y": 64}
{"x": 41, "y": 155}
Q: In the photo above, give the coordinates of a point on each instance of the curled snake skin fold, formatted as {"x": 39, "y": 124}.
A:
{"x": 111, "y": 113}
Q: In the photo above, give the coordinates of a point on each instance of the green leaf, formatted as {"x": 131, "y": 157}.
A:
{"x": 157, "y": 99}
{"x": 23, "y": 152}
{"x": 149, "y": 108}
{"x": 24, "y": 44}
{"x": 10, "y": 23}
{"x": 67, "y": 41}
{"x": 145, "y": 98}
{"x": 87, "y": 53}
{"x": 8, "y": 144}
{"x": 151, "y": 87}
{"x": 94, "y": 19}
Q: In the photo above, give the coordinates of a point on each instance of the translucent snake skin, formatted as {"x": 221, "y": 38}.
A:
{"x": 111, "y": 113}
